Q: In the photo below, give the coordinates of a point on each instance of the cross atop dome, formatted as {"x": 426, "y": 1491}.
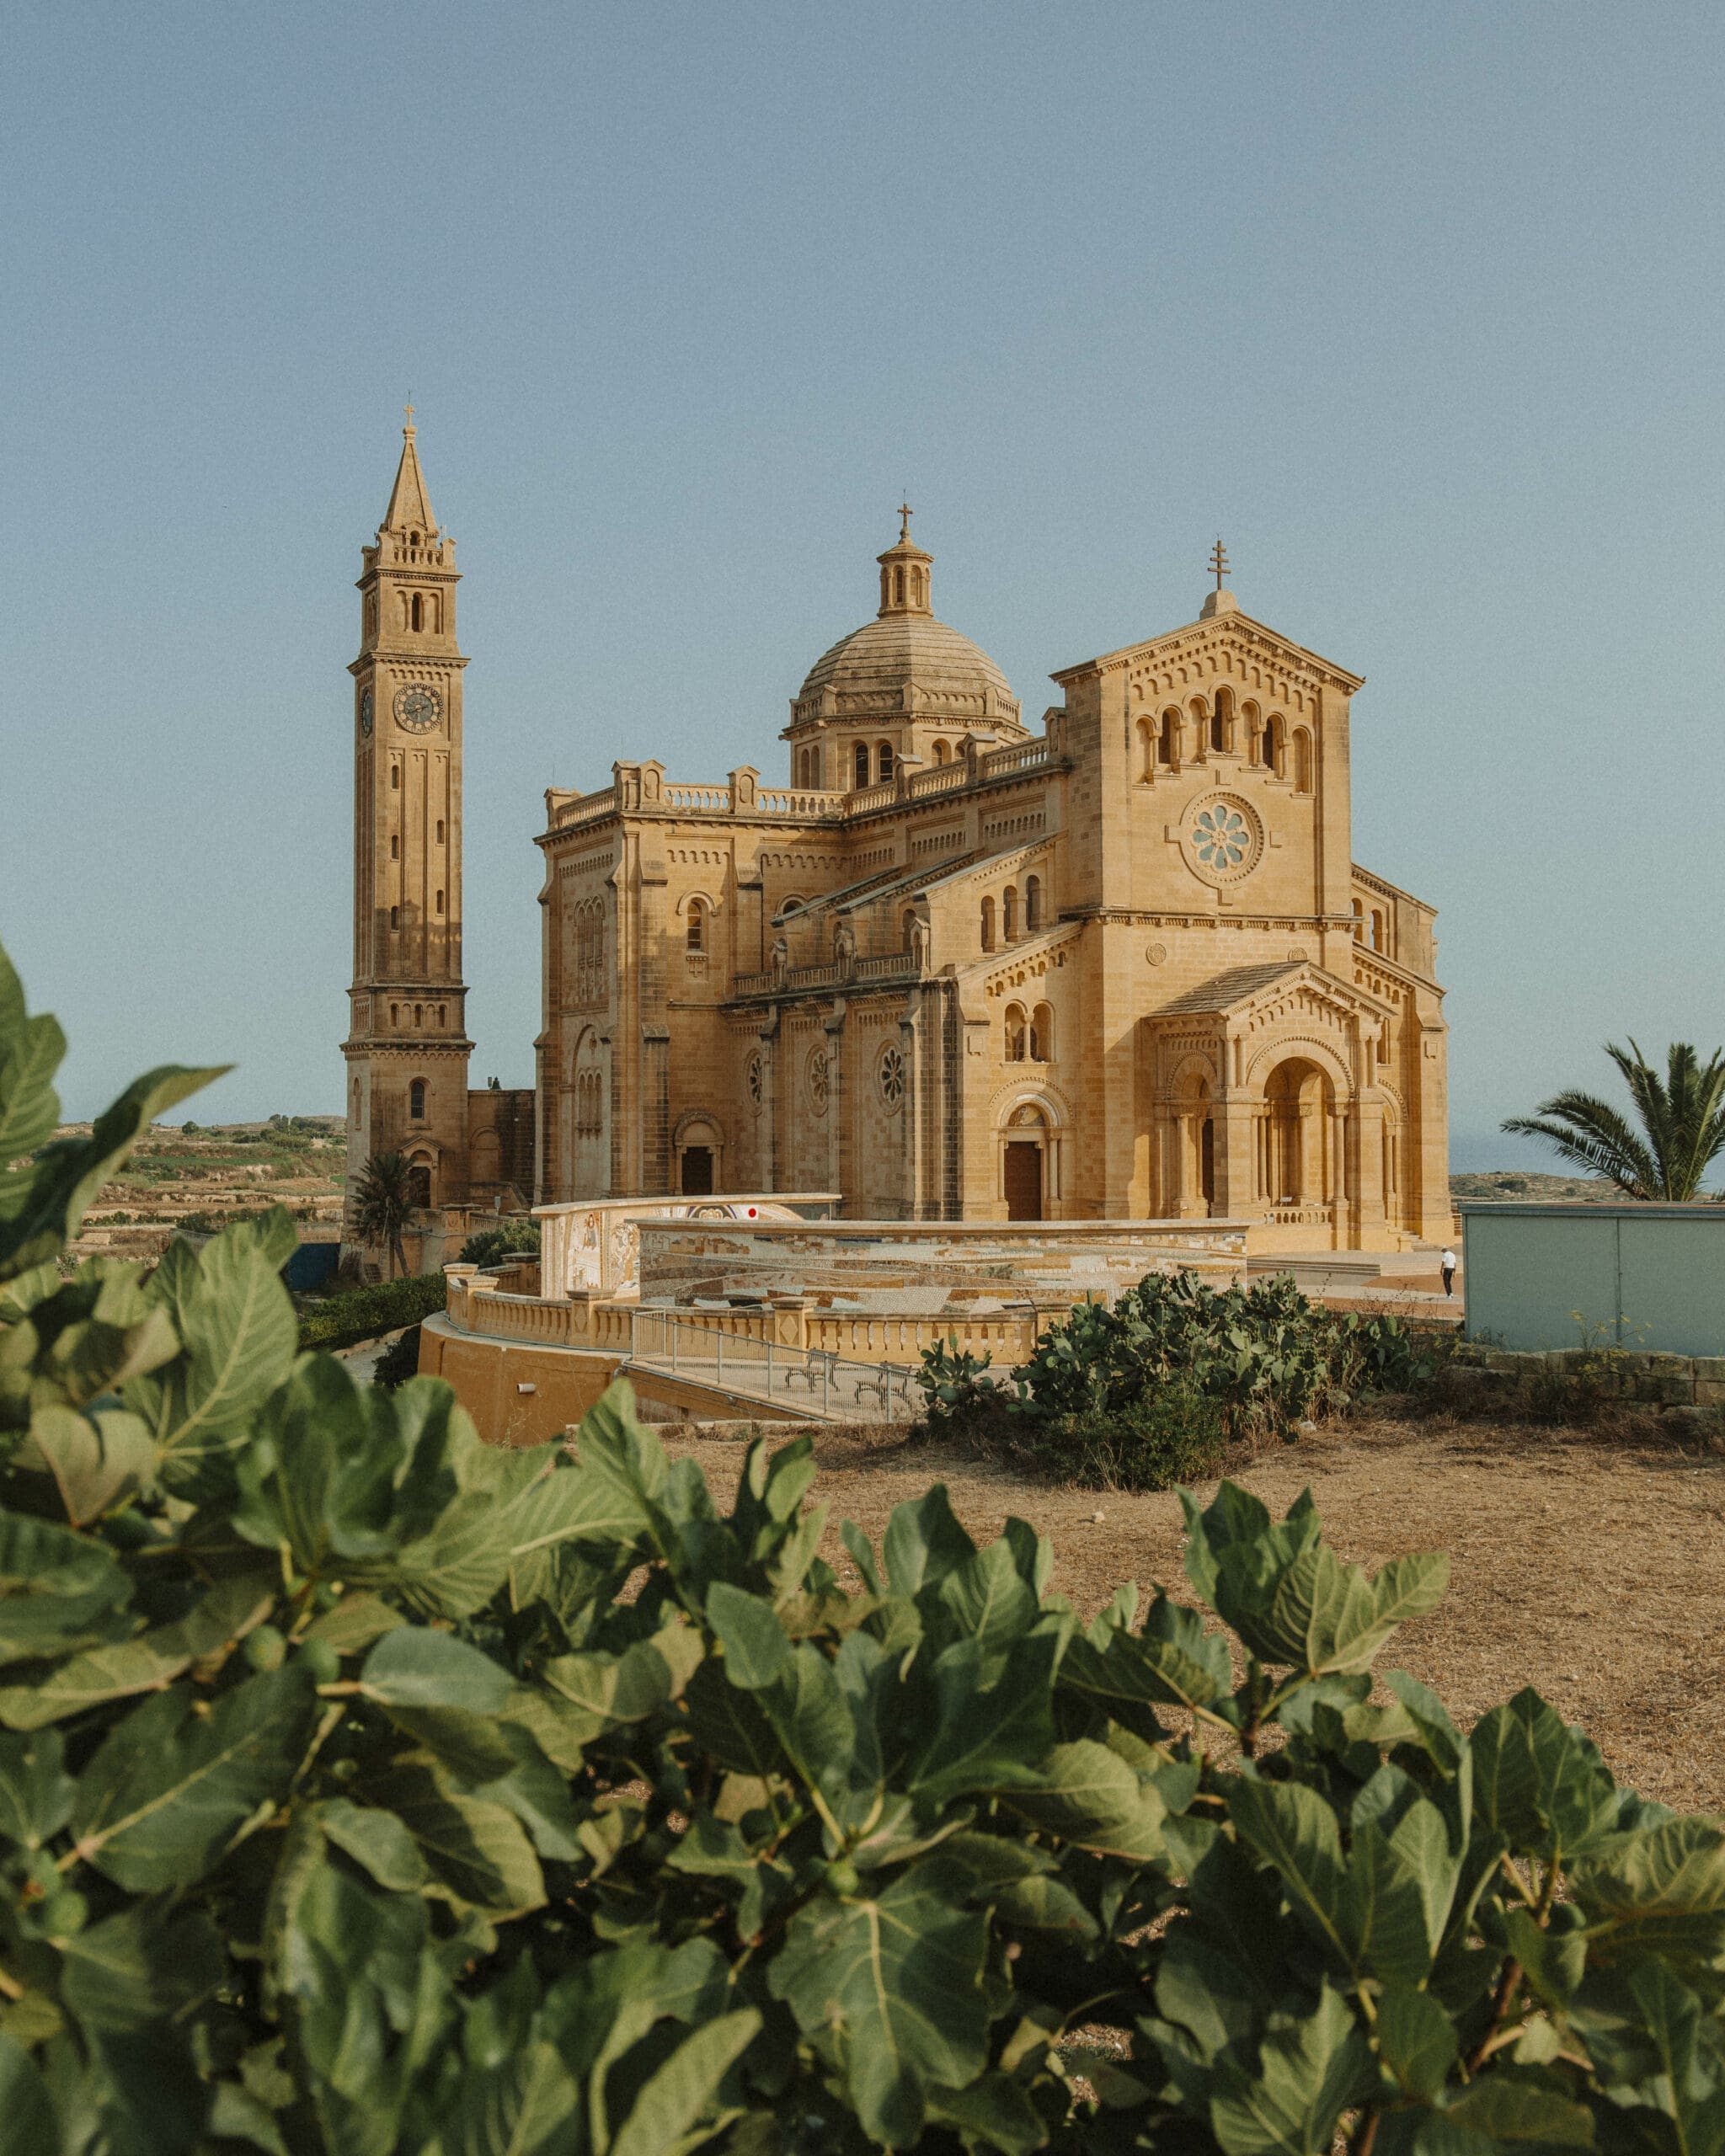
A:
{"x": 904, "y": 573}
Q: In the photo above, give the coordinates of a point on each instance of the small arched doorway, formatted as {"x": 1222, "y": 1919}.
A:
{"x": 698, "y": 1148}
{"x": 1024, "y": 1161}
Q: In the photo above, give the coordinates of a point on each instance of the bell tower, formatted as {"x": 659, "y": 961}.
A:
{"x": 406, "y": 1047}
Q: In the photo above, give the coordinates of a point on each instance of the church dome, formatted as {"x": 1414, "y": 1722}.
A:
{"x": 905, "y": 663}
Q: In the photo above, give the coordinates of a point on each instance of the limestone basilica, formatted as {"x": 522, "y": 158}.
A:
{"x": 1121, "y": 966}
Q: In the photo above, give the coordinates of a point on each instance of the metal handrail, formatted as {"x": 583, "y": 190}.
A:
{"x": 765, "y": 1367}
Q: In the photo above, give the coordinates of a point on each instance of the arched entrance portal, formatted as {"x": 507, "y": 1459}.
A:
{"x": 1302, "y": 1139}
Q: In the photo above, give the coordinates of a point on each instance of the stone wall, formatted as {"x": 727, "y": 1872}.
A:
{"x": 1049, "y": 1262}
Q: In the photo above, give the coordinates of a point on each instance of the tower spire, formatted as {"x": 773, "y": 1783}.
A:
{"x": 410, "y": 505}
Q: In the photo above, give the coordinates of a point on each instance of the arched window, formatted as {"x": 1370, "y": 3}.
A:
{"x": 418, "y": 1014}
{"x": 696, "y": 931}
{"x": 988, "y": 924}
{"x": 1042, "y": 1035}
{"x": 1219, "y": 723}
{"x": 416, "y": 1100}
{"x": 394, "y": 848}
{"x": 1379, "y": 940}
{"x": 1359, "y": 921}
{"x": 1302, "y": 761}
{"x": 1032, "y": 905}
{"x": 1273, "y": 744}
{"x": 1016, "y": 1033}
{"x": 440, "y": 831}
{"x": 860, "y": 763}
{"x": 442, "y": 1020}
{"x": 1167, "y": 744}
{"x": 1009, "y": 912}
{"x": 395, "y": 778}
{"x": 395, "y": 916}
{"x": 440, "y": 906}
{"x": 395, "y": 1014}
{"x": 898, "y": 586}
{"x": 942, "y": 753}
{"x": 419, "y": 611}
{"x": 883, "y": 762}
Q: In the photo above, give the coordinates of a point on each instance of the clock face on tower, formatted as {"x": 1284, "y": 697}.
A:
{"x": 365, "y": 714}
{"x": 418, "y": 707}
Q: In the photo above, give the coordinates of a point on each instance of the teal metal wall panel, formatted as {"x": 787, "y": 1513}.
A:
{"x": 1526, "y": 1276}
{"x": 1627, "y": 1276}
{"x": 1673, "y": 1274}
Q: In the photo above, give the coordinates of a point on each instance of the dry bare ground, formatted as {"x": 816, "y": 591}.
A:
{"x": 1593, "y": 1570}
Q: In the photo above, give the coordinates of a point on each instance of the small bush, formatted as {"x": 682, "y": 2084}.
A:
{"x": 399, "y": 1361}
{"x": 1169, "y": 1435}
{"x": 510, "y": 1238}
{"x": 362, "y": 1313}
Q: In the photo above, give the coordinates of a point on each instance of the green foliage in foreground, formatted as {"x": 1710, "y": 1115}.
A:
{"x": 346, "y": 1810}
{"x": 360, "y": 1314}
{"x": 1246, "y": 1360}
{"x": 510, "y": 1237}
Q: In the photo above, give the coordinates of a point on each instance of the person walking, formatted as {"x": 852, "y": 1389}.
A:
{"x": 1448, "y": 1262}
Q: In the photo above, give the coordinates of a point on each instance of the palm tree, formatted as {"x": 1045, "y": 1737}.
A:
{"x": 381, "y": 1204}
{"x": 1682, "y": 1123}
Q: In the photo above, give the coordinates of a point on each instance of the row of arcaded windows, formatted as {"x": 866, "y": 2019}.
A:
{"x": 419, "y": 1017}
{"x": 590, "y": 1103}
{"x": 1029, "y": 1037}
{"x": 590, "y": 932}
{"x": 1175, "y": 737}
{"x": 871, "y": 764}
{"x": 1010, "y": 928}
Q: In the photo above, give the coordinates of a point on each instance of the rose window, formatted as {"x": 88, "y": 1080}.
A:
{"x": 1223, "y": 838}
{"x": 1220, "y": 836}
{"x": 818, "y": 1079}
{"x": 890, "y": 1074}
{"x": 754, "y": 1078}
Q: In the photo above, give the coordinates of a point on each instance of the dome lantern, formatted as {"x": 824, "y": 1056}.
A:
{"x": 904, "y": 574}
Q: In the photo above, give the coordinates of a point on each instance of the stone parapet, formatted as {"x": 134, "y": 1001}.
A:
{"x": 1049, "y": 1263}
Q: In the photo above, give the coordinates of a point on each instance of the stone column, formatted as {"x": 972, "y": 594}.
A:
{"x": 655, "y": 1111}
{"x": 910, "y": 1110}
{"x": 838, "y": 1148}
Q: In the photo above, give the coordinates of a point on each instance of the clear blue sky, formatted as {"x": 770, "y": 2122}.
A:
{"x": 1420, "y": 307}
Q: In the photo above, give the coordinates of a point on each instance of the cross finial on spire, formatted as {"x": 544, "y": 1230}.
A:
{"x": 904, "y": 516}
{"x": 1219, "y": 562}
{"x": 409, "y": 411}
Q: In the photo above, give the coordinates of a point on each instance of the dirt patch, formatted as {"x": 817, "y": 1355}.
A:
{"x": 1593, "y": 1571}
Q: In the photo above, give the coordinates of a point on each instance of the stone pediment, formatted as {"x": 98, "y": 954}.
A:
{"x": 1231, "y": 646}
{"x": 1252, "y": 999}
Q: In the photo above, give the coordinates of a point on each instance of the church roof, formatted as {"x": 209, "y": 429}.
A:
{"x": 885, "y": 654}
{"x": 410, "y": 505}
{"x": 1241, "y": 984}
{"x": 904, "y": 664}
{"x": 1222, "y": 991}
